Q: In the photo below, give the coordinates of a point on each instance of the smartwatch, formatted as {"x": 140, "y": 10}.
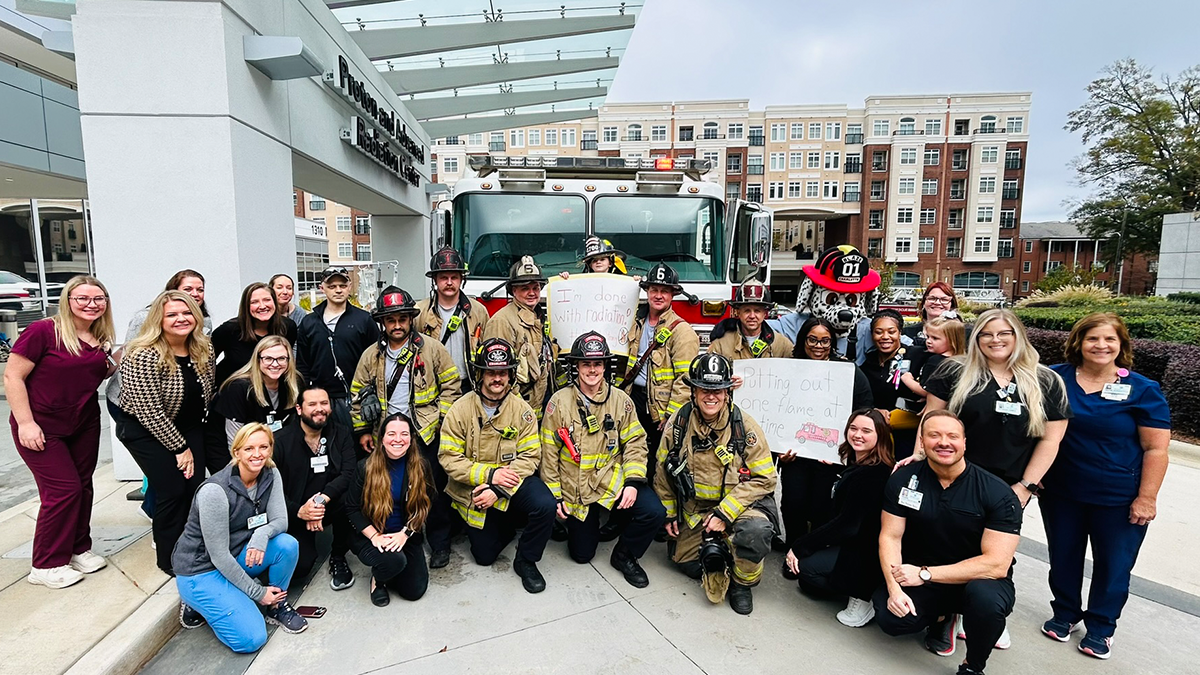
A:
{"x": 925, "y": 574}
{"x": 1033, "y": 488}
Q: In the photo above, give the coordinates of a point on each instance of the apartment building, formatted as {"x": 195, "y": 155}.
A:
{"x": 348, "y": 229}
{"x": 931, "y": 184}
{"x": 1050, "y": 245}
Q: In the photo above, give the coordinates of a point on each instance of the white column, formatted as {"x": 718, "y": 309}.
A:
{"x": 405, "y": 239}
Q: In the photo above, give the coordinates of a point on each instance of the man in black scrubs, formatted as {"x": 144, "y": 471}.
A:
{"x": 949, "y": 533}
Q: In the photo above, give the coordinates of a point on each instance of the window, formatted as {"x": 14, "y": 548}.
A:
{"x": 754, "y": 165}
{"x": 908, "y": 186}
{"x": 904, "y": 216}
{"x": 450, "y": 164}
{"x": 1027, "y": 266}
{"x": 833, "y": 131}
{"x": 987, "y": 185}
{"x": 908, "y": 155}
{"x": 450, "y": 140}
{"x": 777, "y": 161}
{"x": 831, "y": 189}
{"x": 754, "y": 192}
{"x": 345, "y": 250}
{"x": 906, "y": 280}
{"x": 610, "y": 134}
{"x": 735, "y": 132}
{"x": 713, "y": 157}
{"x": 775, "y": 190}
{"x": 908, "y": 126}
{"x": 551, "y": 137}
{"x": 925, "y": 245}
{"x": 990, "y": 154}
{"x": 987, "y": 124}
{"x": 475, "y": 139}
{"x": 1004, "y": 248}
{"x": 1011, "y": 191}
{"x": 878, "y": 188}
{"x": 733, "y": 164}
{"x": 928, "y": 217}
{"x": 316, "y": 203}
{"x": 853, "y": 162}
{"x": 976, "y": 280}
{"x": 535, "y": 137}
{"x": 1024, "y": 286}
{"x": 933, "y": 126}
{"x": 658, "y": 132}
{"x": 362, "y": 225}
{"x": 983, "y": 244}
{"x": 875, "y": 220}
{"x": 853, "y": 129}
{"x": 850, "y": 191}
{"x": 633, "y": 132}
{"x": 1015, "y": 125}
{"x": 958, "y": 161}
{"x": 778, "y": 132}
{"x": 929, "y": 186}
{"x": 881, "y": 128}
{"x": 1053, "y": 265}
{"x": 814, "y": 131}
{"x": 812, "y": 189}
{"x": 814, "y": 160}
{"x": 954, "y": 247}
{"x": 956, "y": 219}
{"x": 962, "y": 127}
{"x": 733, "y": 191}
{"x": 903, "y": 244}
{"x": 1008, "y": 219}
{"x": 879, "y": 160}
{"x": 1029, "y": 246}
{"x": 833, "y": 160}
{"x": 795, "y": 160}
{"x": 568, "y": 137}
{"x": 874, "y": 247}
{"x": 984, "y": 214}
{"x": 587, "y": 135}
{"x": 794, "y": 189}
{"x": 958, "y": 188}
{"x": 933, "y": 157}
{"x": 364, "y": 252}
{"x": 1012, "y": 159}
{"x": 343, "y": 223}
{"x": 797, "y": 131}
{"x": 516, "y": 138}
{"x": 710, "y": 130}
{"x": 756, "y": 135}
{"x": 685, "y": 133}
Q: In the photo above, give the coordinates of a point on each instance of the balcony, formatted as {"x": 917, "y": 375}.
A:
{"x": 854, "y": 139}
{"x": 852, "y": 197}
{"x": 988, "y": 130}
{"x": 587, "y": 144}
{"x": 756, "y": 198}
{"x": 853, "y": 167}
{"x": 908, "y": 132}
{"x": 954, "y": 253}
{"x": 634, "y": 138}
{"x": 496, "y": 146}
{"x": 1012, "y": 164}
{"x": 686, "y": 135}
{"x": 1010, "y": 193}
{"x": 712, "y": 136}
{"x": 755, "y": 169}
{"x": 958, "y": 166}
{"x": 958, "y": 194}
{"x": 879, "y": 166}
{"x": 758, "y": 140}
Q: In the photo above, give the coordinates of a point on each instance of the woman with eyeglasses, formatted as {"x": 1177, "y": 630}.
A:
{"x": 264, "y": 390}
{"x": 51, "y": 379}
{"x": 258, "y": 317}
{"x": 938, "y": 299}
{"x": 806, "y": 483}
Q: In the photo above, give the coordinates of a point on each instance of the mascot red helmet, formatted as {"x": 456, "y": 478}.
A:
{"x": 843, "y": 269}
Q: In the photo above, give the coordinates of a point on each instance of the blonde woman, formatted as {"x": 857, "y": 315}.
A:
{"x": 1015, "y": 410}
{"x": 236, "y": 532}
{"x": 166, "y": 386}
{"x": 387, "y": 505}
{"x": 264, "y": 390}
{"x": 51, "y": 380}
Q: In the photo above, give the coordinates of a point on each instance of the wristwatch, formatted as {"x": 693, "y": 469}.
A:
{"x": 925, "y": 574}
{"x": 1033, "y": 488}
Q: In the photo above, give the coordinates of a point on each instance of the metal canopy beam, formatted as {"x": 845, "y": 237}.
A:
{"x": 475, "y": 125}
{"x": 391, "y": 43}
{"x": 447, "y": 106}
{"x": 421, "y": 80}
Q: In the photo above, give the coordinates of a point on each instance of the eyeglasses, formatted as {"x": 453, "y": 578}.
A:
{"x": 99, "y": 300}
{"x": 938, "y": 300}
{"x": 1003, "y": 336}
{"x": 274, "y": 360}
{"x": 817, "y": 342}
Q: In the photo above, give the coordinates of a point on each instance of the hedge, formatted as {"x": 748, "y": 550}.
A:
{"x": 1191, "y": 297}
{"x": 1168, "y": 321}
{"x": 1174, "y": 366}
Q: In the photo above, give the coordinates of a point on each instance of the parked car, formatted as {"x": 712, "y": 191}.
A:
{"x": 19, "y": 293}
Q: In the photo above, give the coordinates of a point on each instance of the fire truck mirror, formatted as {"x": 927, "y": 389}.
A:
{"x": 760, "y": 239}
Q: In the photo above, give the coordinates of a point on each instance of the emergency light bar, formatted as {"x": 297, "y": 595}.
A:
{"x": 486, "y": 164}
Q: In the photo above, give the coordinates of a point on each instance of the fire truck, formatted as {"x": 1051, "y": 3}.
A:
{"x": 653, "y": 210}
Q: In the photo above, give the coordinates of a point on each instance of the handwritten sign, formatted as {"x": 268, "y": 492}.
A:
{"x": 802, "y": 405}
{"x": 586, "y": 302}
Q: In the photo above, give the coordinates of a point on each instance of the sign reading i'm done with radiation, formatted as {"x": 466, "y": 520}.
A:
{"x": 601, "y": 302}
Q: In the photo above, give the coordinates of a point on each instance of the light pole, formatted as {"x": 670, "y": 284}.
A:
{"x": 1120, "y": 247}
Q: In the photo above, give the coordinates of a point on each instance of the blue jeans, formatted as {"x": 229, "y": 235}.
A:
{"x": 234, "y": 617}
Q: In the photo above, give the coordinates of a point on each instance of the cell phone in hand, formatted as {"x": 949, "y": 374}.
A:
{"x": 310, "y": 611}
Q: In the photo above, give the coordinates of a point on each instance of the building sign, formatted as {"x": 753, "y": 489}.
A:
{"x": 378, "y": 132}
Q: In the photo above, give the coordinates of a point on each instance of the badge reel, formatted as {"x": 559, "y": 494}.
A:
{"x": 256, "y": 521}
{"x": 321, "y": 461}
{"x": 273, "y": 424}
{"x": 1007, "y": 407}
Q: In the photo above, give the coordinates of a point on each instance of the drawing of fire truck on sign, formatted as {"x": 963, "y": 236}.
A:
{"x": 812, "y": 432}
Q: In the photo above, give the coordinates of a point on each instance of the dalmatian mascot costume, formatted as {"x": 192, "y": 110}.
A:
{"x": 842, "y": 288}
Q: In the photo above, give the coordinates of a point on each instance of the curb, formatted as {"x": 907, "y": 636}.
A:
{"x": 136, "y": 640}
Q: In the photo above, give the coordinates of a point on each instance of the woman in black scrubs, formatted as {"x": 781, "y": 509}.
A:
{"x": 258, "y": 317}
{"x": 265, "y": 389}
{"x": 884, "y": 365}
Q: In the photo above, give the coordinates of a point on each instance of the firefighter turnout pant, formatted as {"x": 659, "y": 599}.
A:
{"x": 532, "y": 507}
{"x": 642, "y": 521}
{"x": 750, "y": 536}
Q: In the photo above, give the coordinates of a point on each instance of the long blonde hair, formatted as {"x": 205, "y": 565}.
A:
{"x": 953, "y": 329}
{"x": 377, "y": 503}
{"x": 242, "y": 437}
{"x": 1023, "y": 362}
{"x": 151, "y": 335}
{"x": 289, "y": 383}
{"x": 64, "y": 325}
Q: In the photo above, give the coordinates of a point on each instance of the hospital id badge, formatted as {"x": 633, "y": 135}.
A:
{"x": 911, "y": 499}
{"x": 1115, "y": 392}
{"x": 275, "y": 426}
{"x": 1008, "y": 407}
{"x": 319, "y": 463}
{"x": 256, "y": 521}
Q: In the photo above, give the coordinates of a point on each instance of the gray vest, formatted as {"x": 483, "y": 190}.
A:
{"x": 190, "y": 557}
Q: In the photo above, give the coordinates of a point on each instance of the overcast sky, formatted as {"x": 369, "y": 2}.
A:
{"x": 801, "y": 52}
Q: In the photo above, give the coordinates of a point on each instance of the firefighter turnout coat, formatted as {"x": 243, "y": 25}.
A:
{"x": 674, "y": 344}
{"x": 472, "y": 313}
{"x": 433, "y": 382}
{"x": 727, "y": 341}
{"x": 521, "y": 328}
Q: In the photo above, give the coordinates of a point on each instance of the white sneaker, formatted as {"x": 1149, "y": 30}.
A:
{"x": 1004, "y": 641}
{"x": 857, "y": 613}
{"x": 88, "y": 562}
{"x": 55, "y": 577}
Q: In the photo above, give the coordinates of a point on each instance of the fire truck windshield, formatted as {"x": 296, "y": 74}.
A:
{"x": 495, "y": 230}
{"x": 687, "y": 233}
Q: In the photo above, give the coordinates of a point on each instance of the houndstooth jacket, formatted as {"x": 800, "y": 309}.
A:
{"x": 154, "y": 397}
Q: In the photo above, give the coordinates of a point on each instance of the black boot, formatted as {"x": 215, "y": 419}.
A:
{"x": 628, "y": 566}
{"x": 559, "y": 533}
{"x": 439, "y": 559}
{"x": 379, "y": 594}
{"x": 531, "y": 578}
{"x": 740, "y": 598}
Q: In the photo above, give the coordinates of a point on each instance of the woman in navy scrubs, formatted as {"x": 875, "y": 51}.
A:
{"x": 1104, "y": 484}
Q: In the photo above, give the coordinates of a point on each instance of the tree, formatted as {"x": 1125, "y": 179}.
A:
{"x": 1143, "y": 154}
{"x": 1066, "y": 276}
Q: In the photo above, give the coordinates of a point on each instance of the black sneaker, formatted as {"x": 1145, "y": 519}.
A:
{"x": 964, "y": 669}
{"x": 379, "y": 594}
{"x": 531, "y": 578}
{"x": 189, "y": 618}
{"x": 559, "y": 533}
{"x": 629, "y": 567}
{"x": 285, "y": 617}
{"x": 939, "y": 639}
{"x": 439, "y": 559}
{"x": 741, "y": 599}
{"x": 339, "y": 570}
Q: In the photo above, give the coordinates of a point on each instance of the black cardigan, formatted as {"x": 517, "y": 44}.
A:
{"x": 292, "y": 456}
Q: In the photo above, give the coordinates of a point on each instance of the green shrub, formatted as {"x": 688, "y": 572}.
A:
{"x": 1192, "y": 297}
{"x": 1141, "y": 324}
{"x": 1070, "y": 295}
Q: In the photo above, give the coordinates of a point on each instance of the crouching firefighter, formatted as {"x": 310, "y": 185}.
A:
{"x": 594, "y": 460}
{"x": 717, "y": 481}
